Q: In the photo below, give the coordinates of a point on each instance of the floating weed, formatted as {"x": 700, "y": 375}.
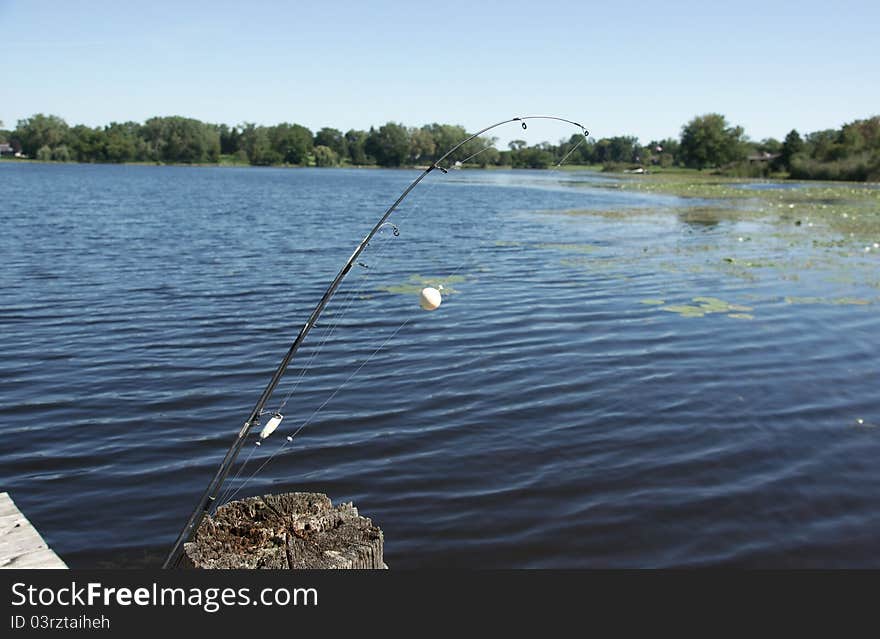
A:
{"x": 836, "y": 301}
{"x": 571, "y": 248}
{"x": 415, "y": 283}
{"x": 653, "y": 302}
{"x": 715, "y": 305}
{"x": 703, "y": 306}
{"x": 816, "y": 207}
{"x": 685, "y": 310}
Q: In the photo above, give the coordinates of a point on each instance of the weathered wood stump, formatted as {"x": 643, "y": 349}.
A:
{"x": 289, "y": 531}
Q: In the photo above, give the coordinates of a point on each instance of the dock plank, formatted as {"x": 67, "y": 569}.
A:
{"x": 21, "y": 546}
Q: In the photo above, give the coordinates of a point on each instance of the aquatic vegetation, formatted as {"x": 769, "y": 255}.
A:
{"x": 841, "y": 207}
{"x": 685, "y": 310}
{"x": 653, "y": 302}
{"x": 715, "y": 305}
{"x": 569, "y": 248}
{"x": 415, "y": 283}
{"x": 705, "y": 306}
{"x": 836, "y": 301}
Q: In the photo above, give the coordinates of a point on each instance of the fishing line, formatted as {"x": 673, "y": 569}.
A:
{"x": 223, "y": 498}
{"x": 347, "y": 303}
{"x": 566, "y": 156}
{"x": 289, "y": 438}
{"x": 352, "y": 296}
{"x": 469, "y": 158}
{"x": 209, "y": 496}
{"x": 418, "y": 204}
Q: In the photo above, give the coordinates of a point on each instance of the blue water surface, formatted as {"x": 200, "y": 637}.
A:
{"x": 544, "y": 416}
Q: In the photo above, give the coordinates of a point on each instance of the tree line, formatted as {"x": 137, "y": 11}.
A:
{"x": 706, "y": 142}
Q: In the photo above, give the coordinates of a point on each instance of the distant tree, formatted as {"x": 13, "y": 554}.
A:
{"x": 38, "y": 131}
{"x": 389, "y": 144}
{"x": 255, "y": 143}
{"x": 531, "y": 158}
{"x": 230, "y": 139}
{"x": 61, "y": 153}
{"x": 446, "y": 136}
{"x": 44, "y": 153}
{"x": 792, "y": 145}
{"x": 332, "y": 139}
{"x": 122, "y": 142}
{"x": 708, "y": 141}
{"x": 325, "y": 156}
{"x": 488, "y": 156}
{"x": 577, "y": 149}
{"x": 622, "y": 148}
{"x": 178, "y": 139}
{"x": 421, "y": 145}
{"x": 355, "y": 142}
{"x": 516, "y": 145}
{"x": 292, "y": 142}
{"x": 769, "y": 145}
{"x": 85, "y": 143}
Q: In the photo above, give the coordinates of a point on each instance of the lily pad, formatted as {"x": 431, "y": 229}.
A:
{"x": 684, "y": 310}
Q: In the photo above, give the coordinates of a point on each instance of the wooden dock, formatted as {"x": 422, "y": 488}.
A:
{"x": 20, "y": 544}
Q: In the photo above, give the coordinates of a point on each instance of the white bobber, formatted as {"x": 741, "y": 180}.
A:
{"x": 430, "y": 298}
{"x": 271, "y": 425}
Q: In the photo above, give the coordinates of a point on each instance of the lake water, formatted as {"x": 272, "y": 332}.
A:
{"x": 565, "y": 407}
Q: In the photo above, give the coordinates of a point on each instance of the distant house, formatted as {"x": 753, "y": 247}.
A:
{"x": 6, "y": 149}
{"x": 763, "y": 157}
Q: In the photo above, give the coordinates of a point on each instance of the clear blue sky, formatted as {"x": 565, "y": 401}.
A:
{"x": 641, "y": 68}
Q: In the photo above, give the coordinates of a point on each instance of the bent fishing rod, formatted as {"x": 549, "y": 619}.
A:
{"x": 209, "y": 497}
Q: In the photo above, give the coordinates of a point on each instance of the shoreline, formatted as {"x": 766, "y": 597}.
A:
{"x": 245, "y": 165}
{"x": 671, "y": 175}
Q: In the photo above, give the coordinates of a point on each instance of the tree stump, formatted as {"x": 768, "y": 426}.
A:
{"x": 288, "y": 531}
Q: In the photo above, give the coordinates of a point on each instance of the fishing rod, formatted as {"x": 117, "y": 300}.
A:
{"x": 209, "y": 497}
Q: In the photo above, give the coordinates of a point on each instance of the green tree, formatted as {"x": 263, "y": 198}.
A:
{"x": 44, "y": 153}
{"x": 325, "y": 156}
{"x": 61, "y": 153}
{"x": 292, "y": 142}
{"x": 356, "y": 141}
{"x": 85, "y": 143}
{"x": 332, "y": 139}
{"x": 389, "y": 144}
{"x": 447, "y": 136}
{"x": 421, "y": 145}
{"x": 769, "y": 145}
{"x": 255, "y": 143}
{"x": 122, "y": 142}
{"x": 623, "y": 148}
{"x": 178, "y": 139}
{"x": 230, "y": 139}
{"x": 38, "y": 131}
{"x": 708, "y": 141}
{"x": 531, "y": 157}
{"x": 792, "y": 145}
